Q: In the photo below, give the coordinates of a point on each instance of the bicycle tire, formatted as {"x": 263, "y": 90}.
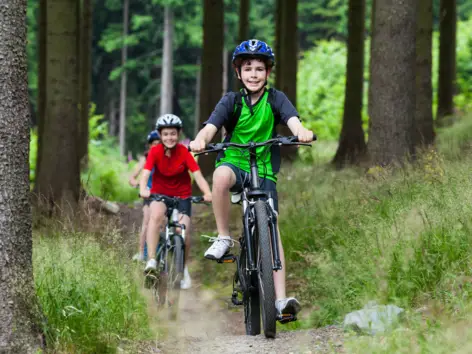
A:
{"x": 175, "y": 262}
{"x": 160, "y": 280}
{"x": 252, "y": 314}
{"x": 265, "y": 270}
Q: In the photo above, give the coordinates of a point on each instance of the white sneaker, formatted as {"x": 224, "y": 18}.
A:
{"x": 186, "y": 282}
{"x": 220, "y": 246}
{"x": 289, "y": 305}
{"x": 139, "y": 257}
{"x": 151, "y": 265}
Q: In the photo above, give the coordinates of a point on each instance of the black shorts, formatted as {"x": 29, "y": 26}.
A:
{"x": 184, "y": 207}
{"x": 242, "y": 181}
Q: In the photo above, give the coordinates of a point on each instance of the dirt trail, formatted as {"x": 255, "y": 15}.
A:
{"x": 208, "y": 323}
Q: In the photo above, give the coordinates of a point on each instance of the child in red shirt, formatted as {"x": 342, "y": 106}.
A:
{"x": 171, "y": 162}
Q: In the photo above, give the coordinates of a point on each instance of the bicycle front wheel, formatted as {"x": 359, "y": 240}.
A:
{"x": 265, "y": 273}
{"x": 175, "y": 264}
{"x": 248, "y": 283}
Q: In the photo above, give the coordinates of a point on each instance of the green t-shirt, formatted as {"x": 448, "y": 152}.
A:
{"x": 256, "y": 125}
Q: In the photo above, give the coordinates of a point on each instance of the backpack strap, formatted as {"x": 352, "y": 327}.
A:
{"x": 238, "y": 107}
{"x": 275, "y": 111}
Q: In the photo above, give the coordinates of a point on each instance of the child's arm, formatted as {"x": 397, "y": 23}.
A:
{"x": 223, "y": 111}
{"x": 147, "y": 169}
{"x": 203, "y": 185}
{"x": 143, "y": 191}
{"x": 137, "y": 169}
{"x": 203, "y": 137}
{"x": 304, "y": 135}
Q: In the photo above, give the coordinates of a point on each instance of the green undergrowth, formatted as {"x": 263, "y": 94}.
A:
{"x": 393, "y": 236}
{"x": 90, "y": 300}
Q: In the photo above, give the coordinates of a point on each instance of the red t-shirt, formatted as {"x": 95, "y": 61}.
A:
{"x": 171, "y": 175}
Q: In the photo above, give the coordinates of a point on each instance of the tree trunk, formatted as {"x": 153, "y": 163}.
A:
{"x": 212, "y": 67}
{"x": 167, "y": 62}
{"x": 85, "y": 78}
{"x": 286, "y": 58}
{"x": 224, "y": 78}
{"x": 112, "y": 118}
{"x": 447, "y": 60}
{"x": 59, "y": 177}
{"x": 352, "y": 146}
{"x": 197, "y": 124}
{"x": 124, "y": 54}
{"x": 279, "y": 28}
{"x": 371, "y": 51}
{"x": 19, "y": 331}
{"x": 42, "y": 89}
{"x": 288, "y": 51}
{"x": 392, "y": 94}
{"x": 424, "y": 129}
{"x": 243, "y": 32}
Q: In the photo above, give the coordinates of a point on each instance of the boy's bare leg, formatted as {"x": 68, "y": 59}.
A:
{"x": 223, "y": 179}
{"x": 279, "y": 276}
{"x": 142, "y": 234}
{"x": 282, "y": 303}
{"x": 157, "y": 216}
{"x": 185, "y": 219}
{"x": 186, "y": 282}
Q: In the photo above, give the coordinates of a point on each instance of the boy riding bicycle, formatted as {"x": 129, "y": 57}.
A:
{"x": 171, "y": 162}
{"x": 249, "y": 116}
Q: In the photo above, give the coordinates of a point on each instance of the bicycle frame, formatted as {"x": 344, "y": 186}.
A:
{"x": 170, "y": 232}
{"x": 249, "y": 197}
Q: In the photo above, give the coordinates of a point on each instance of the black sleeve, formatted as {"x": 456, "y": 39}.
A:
{"x": 222, "y": 112}
{"x": 284, "y": 107}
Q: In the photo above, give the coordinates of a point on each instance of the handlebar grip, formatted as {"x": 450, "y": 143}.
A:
{"x": 294, "y": 139}
{"x": 197, "y": 199}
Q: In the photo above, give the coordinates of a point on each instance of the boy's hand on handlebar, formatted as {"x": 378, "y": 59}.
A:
{"x": 197, "y": 145}
{"x": 145, "y": 193}
{"x": 305, "y": 136}
{"x": 207, "y": 197}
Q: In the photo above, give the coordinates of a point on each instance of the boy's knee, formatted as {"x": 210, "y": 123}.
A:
{"x": 157, "y": 216}
{"x": 223, "y": 178}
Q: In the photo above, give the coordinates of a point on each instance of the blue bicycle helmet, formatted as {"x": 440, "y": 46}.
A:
{"x": 254, "y": 48}
{"x": 153, "y": 136}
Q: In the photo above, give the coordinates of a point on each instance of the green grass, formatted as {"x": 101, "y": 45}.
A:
{"x": 401, "y": 237}
{"x": 89, "y": 298}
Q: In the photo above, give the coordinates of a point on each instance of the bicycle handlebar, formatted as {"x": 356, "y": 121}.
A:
{"x": 282, "y": 140}
{"x": 193, "y": 199}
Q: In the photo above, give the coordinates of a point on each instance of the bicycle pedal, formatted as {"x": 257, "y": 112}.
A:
{"x": 235, "y": 300}
{"x": 227, "y": 258}
{"x": 149, "y": 280}
{"x": 286, "y": 318}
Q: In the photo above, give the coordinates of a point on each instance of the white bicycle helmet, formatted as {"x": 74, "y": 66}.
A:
{"x": 168, "y": 121}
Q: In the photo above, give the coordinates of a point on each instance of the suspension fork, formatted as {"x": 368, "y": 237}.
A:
{"x": 274, "y": 239}
{"x": 165, "y": 249}
{"x": 247, "y": 236}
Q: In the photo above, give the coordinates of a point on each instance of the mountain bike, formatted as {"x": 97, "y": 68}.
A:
{"x": 170, "y": 257}
{"x": 253, "y": 283}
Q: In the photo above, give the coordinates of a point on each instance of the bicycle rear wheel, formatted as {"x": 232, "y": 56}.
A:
{"x": 265, "y": 273}
{"x": 175, "y": 264}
